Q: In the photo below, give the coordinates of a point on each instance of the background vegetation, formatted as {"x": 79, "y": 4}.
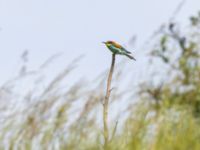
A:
{"x": 162, "y": 114}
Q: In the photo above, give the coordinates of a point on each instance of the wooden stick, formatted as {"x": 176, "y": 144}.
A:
{"x": 106, "y": 103}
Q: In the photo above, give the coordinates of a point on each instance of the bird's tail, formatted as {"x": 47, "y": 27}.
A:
{"x": 129, "y": 56}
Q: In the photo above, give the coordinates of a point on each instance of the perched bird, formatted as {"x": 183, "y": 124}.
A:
{"x": 118, "y": 49}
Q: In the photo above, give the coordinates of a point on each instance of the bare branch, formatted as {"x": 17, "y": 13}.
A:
{"x": 106, "y": 103}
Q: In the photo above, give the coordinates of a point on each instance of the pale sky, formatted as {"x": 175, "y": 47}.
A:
{"x": 76, "y": 27}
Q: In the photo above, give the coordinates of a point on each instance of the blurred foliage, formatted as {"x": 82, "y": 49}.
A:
{"x": 60, "y": 116}
{"x": 179, "y": 51}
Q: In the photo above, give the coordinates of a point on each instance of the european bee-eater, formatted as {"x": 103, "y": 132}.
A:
{"x": 118, "y": 49}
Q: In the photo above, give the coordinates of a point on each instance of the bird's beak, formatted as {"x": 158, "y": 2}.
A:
{"x": 104, "y": 42}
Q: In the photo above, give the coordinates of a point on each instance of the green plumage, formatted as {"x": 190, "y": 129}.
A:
{"x": 117, "y": 49}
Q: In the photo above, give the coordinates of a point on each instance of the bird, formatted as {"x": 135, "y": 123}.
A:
{"x": 116, "y": 48}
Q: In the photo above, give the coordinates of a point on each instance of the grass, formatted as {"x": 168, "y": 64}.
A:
{"x": 68, "y": 119}
{"x": 61, "y": 118}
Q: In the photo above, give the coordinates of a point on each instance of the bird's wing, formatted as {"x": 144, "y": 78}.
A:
{"x": 121, "y": 47}
{"x": 125, "y": 50}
